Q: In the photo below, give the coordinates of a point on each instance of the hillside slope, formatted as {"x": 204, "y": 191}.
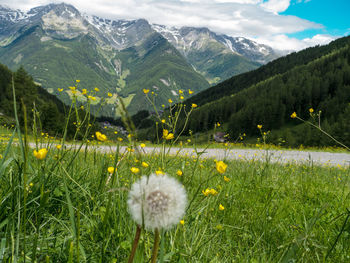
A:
{"x": 51, "y": 111}
{"x": 278, "y": 66}
{"x": 322, "y": 84}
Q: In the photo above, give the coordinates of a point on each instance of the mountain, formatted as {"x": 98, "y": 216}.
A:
{"x": 57, "y": 45}
{"x": 215, "y": 56}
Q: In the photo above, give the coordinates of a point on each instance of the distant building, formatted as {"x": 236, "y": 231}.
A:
{"x": 219, "y": 137}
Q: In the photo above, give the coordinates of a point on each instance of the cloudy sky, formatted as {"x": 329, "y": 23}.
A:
{"x": 282, "y": 24}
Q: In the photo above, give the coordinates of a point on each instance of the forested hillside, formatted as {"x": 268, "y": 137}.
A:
{"x": 51, "y": 110}
{"x": 278, "y": 66}
{"x": 305, "y": 80}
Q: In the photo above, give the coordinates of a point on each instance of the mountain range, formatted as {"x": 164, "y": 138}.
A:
{"x": 57, "y": 45}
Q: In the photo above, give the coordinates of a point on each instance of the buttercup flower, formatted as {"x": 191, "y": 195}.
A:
{"x": 110, "y": 169}
{"x": 194, "y": 105}
{"x": 145, "y": 91}
{"x": 294, "y": 115}
{"x": 41, "y": 154}
{"x": 159, "y": 172}
{"x": 144, "y": 164}
{"x": 221, "y": 167}
{"x": 167, "y": 135}
{"x": 101, "y": 137}
{"x": 157, "y": 201}
{"x": 134, "y": 170}
{"x": 259, "y": 126}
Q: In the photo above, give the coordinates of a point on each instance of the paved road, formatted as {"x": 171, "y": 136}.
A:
{"x": 281, "y": 156}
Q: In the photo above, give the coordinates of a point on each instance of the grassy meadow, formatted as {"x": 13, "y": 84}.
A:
{"x": 69, "y": 207}
{"x": 68, "y": 202}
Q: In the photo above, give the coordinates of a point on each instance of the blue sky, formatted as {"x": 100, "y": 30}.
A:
{"x": 333, "y": 15}
{"x": 282, "y": 24}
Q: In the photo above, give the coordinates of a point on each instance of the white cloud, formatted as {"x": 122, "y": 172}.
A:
{"x": 248, "y": 18}
{"x": 276, "y": 6}
{"x": 283, "y": 42}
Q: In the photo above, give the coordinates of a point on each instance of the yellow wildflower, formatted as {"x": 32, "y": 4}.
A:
{"x": 226, "y": 179}
{"x": 206, "y": 192}
{"x": 84, "y": 91}
{"x": 221, "y": 207}
{"x": 60, "y": 90}
{"x": 110, "y": 169}
{"x": 311, "y": 110}
{"x": 181, "y": 97}
{"x": 179, "y": 173}
{"x": 145, "y": 91}
{"x": 78, "y": 80}
{"x": 163, "y": 121}
{"x": 194, "y": 105}
{"x": 91, "y": 97}
{"x": 101, "y": 137}
{"x": 159, "y": 172}
{"x": 182, "y": 222}
{"x": 97, "y": 89}
{"x": 181, "y": 91}
{"x": 167, "y": 135}
{"x": 259, "y": 126}
{"x": 294, "y": 115}
{"x": 218, "y": 124}
{"x": 170, "y": 100}
{"x": 134, "y": 170}
{"x": 190, "y": 92}
{"x": 213, "y": 191}
{"x": 144, "y": 164}
{"x": 58, "y": 146}
{"x": 109, "y": 94}
{"x": 41, "y": 154}
{"x": 221, "y": 167}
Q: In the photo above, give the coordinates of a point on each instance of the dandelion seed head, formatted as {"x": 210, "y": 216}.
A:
{"x": 158, "y": 201}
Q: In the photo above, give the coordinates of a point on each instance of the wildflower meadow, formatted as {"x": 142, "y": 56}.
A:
{"x": 69, "y": 201}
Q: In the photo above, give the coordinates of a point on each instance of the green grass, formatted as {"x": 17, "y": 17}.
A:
{"x": 67, "y": 212}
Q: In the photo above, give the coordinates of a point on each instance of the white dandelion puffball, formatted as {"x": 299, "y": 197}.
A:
{"x": 157, "y": 201}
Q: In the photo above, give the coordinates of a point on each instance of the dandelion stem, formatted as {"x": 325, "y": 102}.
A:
{"x": 155, "y": 246}
{"x": 135, "y": 244}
